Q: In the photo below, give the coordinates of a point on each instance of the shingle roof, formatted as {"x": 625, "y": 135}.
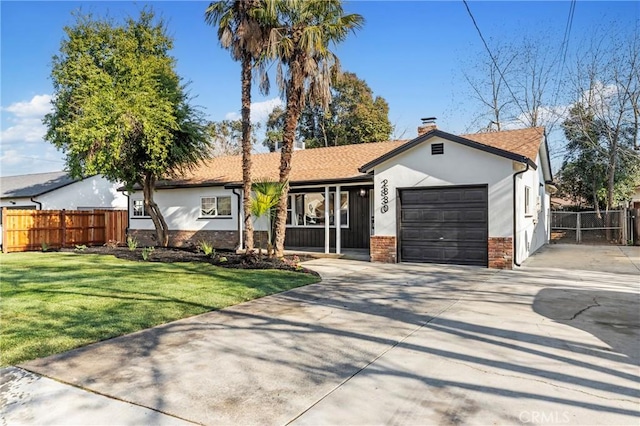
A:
{"x": 339, "y": 163}
{"x": 308, "y": 165}
{"x": 33, "y": 185}
{"x": 525, "y": 142}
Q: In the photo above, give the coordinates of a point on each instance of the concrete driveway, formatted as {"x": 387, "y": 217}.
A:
{"x": 554, "y": 342}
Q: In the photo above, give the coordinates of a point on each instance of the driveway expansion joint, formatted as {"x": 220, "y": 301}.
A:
{"x": 380, "y": 355}
{"x": 105, "y": 395}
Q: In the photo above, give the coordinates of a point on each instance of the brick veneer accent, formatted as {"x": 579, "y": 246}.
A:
{"x": 500, "y": 252}
{"x": 383, "y": 249}
{"x": 220, "y": 239}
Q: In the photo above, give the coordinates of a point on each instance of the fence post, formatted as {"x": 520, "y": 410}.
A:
{"x": 4, "y": 229}
{"x": 624, "y": 218}
{"x": 63, "y": 228}
{"x": 578, "y": 236}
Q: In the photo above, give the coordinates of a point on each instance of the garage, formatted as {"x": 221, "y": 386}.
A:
{"x": 444, "y": 225}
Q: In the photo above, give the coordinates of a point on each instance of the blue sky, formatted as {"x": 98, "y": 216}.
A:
{"x": 411, "y": 53}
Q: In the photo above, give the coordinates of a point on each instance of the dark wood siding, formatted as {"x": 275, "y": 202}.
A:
{"x": 356, "y": 236}
{"x": 444, "y": 225}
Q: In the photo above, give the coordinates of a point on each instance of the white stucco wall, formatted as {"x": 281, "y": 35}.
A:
{"x": 459, "y": 165}
{"x": 91, "y": 193}
{"x": 532, "y": 230}
{"x": 181, "y": 209}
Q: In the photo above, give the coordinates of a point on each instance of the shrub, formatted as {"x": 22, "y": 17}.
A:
{"x": 80, "y": 248}
{"x": 146, "y": 252}
{"x": 132, "y": 242}
{"x": 294, "y": 262}
{"x": 45, "y": 246}
{"x": 206, "y": 248}
{"x": 112, "y": 244}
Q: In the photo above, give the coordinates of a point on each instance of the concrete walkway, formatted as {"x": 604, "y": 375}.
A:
{"x": 551, "y": 342}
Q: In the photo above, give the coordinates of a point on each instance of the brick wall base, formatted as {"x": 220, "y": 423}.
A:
{"x": 500, "y": 253}
{"x": 226, "y": 240}
{"x": 383, "y": 249}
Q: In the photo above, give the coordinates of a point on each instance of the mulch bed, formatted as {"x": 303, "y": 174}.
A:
{"x": 224, "y": 259}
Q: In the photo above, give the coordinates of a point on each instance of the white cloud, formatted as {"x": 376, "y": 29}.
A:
{"x": 547, "y": 116}
{"x": 25, "y": 120}
{"x": 23, "y": 148}
{"x": 38, "y": 106}
{"x": 32, "y": 158}
{"x": 24, "y": 130}
{"x": 259, "y": 110}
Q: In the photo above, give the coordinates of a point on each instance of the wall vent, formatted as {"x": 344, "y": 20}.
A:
{"x": 437, "y": 148}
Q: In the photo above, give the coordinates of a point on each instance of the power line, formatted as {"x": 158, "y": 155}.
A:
{"x": 493, "y": 59}
{"x": 564, "y": 47}
{"x": 567, "y": 31}
{"x": 38, "y": 159}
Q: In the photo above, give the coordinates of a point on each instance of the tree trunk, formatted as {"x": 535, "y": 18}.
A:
{"x": 162, "y": 231}
{"x": 246, "y": 151}
{"x": 596, "y": 203}
{"x": 611, "y": 170}
{"x": 295, "y": 93}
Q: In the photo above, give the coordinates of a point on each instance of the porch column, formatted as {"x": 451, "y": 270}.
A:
{"x": 336, "y": 208}
{"x": 327, "y": 235}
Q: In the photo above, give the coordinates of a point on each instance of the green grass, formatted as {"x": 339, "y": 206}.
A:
{"x": 53, "y": 302}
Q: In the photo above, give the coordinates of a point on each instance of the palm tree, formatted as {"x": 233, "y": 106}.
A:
{"x": 300, "y": 35}
{"x": 266, "y": 196}
{"x": 239, "y": 32}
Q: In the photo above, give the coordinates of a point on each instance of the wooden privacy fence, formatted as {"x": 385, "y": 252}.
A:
{"x": 25, "y": 230}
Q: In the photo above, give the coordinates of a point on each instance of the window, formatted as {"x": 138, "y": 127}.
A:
{"x": 527, "y": 201}
{"x": 138, "y": 209}
{"x": 307, "y": 210}
{"x": 215, "y": 206}
{"x": 437, "y": 148}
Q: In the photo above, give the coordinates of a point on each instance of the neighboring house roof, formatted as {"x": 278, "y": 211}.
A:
{"x": 33, "y": 185}
{"x": 518, "y": 145}
{"x": 351, "y": 162}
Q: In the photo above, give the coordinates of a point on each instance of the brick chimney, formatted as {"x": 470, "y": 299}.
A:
{"x": 428, "y": 124}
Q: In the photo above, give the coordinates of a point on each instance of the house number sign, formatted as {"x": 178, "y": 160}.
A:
{"x": 384, "y": 196}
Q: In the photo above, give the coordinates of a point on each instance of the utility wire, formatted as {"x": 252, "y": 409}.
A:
{"x": 564, "y": 47}
{"x": 493, "y": 59}
{"x": 38, "y": 159}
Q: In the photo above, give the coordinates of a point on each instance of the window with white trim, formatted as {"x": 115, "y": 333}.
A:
{"x": 527, "y": 201}
{"x": 138, "y": 209}
{"x": 307, "y": 210}
{"x": 215, "y": 206}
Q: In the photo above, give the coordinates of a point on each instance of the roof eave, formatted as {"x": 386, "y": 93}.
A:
{"x": 237, "y": 184}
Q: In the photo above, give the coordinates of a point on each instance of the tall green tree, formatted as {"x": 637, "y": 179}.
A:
{"x": 226, "y": 137}
{"x": 301, "y": 34}
{"x": 274, "y": 128}
{"x": 245, "y": 38}
{"x": 120, "y": 109}
{"x": 353, "y": 116}
{"x": 604, "y": 118}
{"x": 587, "y": 163}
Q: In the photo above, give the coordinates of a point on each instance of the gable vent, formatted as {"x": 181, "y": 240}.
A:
{"x": 437, "y": 148}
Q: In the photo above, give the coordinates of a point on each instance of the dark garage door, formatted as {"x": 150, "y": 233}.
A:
{"x": 444, "y": 225}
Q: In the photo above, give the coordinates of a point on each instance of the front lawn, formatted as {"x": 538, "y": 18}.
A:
{"x": 53, "y": 302}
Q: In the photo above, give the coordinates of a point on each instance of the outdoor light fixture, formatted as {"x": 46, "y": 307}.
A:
{"x": 363, "y": 192}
